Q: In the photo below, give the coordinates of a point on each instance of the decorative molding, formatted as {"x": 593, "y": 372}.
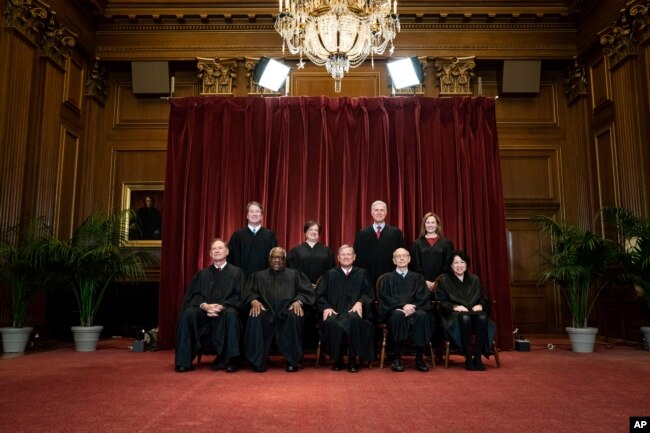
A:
{"x": 26, "y": 17}
{"x": 631, "y": 29}
{"x": 455, "y": 75}
{"x": 253, "y": 88}
{"x": 37, "y": 22}
{"x": 97, "y": 83}
{"x": 576, "y": 84}
{"x": 217, "y": 75}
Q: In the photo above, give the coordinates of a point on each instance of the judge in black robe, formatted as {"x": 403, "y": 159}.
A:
{"x": 344, "y": 298}
{"x": 465, "y": 311}
{"x": 276, "y": 297}
{"x": 431, "y": 252}
{"x": 405, "y": 308}
{"x": 375, "y": 252}
{"x": 209, "y": 317}
{"x": 250, "y": 245}
{"x": 313, "y": 261}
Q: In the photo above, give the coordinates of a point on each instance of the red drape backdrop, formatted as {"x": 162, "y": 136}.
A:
{"x": 328, "y": 159}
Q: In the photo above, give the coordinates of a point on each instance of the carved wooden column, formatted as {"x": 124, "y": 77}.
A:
{"x": 217, "y": 75}
{"x": 455, "y": 75}
{"x": 95, "y": 92}
{"x": 621, "y": 44}
{"x": 578, "y": 183}
{"x": 42, "y": 182}
{"x": 18, "y": 57}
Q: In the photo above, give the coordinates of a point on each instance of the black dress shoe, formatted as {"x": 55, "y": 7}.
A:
{"x": 338, "y": 366}
{"x": 422, "y": 366}
{"x": 469, "y": 363}
{"x": 397, "y": 365}
{"x": 478, "y": 364}
{"x": 259, "y": 369}
{"x": 291, "y": 368}
{"x": 353, "y": 368}
{"x": 232, "y": 367}
{"x": 181, "y": 369}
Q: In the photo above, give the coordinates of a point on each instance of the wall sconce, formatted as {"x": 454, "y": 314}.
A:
{"x": 405, "y": 72}
{"x": 270, "y": 74}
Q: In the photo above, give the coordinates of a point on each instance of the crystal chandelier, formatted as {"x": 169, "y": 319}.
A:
{"x": 339, "y": 34}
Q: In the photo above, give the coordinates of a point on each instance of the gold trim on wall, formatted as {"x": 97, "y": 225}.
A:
{"x": 133, "y": 194}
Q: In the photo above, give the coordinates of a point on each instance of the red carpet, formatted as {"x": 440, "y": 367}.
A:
{"x": 116, "y": 390}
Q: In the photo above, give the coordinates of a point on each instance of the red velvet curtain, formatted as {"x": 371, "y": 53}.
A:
{"x": 328, "y": 159}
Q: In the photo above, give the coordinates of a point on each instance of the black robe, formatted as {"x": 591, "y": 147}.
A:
{"x": 312, "y": 261}
{"x": 340, "y": 292}
{"x": 376, "y": 255}
{"x": 431, "y": 261}
{"x": 468, "y": 293}
{"x": 276, "y": 291}
{"x": 395, "y": 291}
{"x": 195, "y": 330}
{"x": 250, "y": 251}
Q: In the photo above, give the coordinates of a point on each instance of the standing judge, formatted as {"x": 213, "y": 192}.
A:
{"x": 209, "y": 317}
{"x": 276, "y": 297}
{"x": 405, "y": 308}
{"x": 311, "y": 257}
{"x": 374, "y": 245}
{"x": 431, "y": 252}
{"x": 250, "y": 245}
{"x": 344, "y": 298}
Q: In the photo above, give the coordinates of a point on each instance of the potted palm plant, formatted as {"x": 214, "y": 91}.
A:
{"x": 634, "y": 252}
{"x": 89, "y": 262}
{"x": 23, "y": 259}
{"x": 577, "y": 261}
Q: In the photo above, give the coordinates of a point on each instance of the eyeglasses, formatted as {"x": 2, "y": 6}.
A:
{"x": 401, "y": 256}
{"x": 277, "y": 257}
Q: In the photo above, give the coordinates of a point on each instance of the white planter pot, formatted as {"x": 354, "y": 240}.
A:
{"x": 14, "y": 340}
{"x": 582, "y": 339}
{"x": 86, "y": 337}
{"x": 646, "y": 336}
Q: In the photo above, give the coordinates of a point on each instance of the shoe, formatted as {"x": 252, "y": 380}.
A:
{"x": 291, "y": 368}
{"x": 259, "y": 369}
{"x": 181, "y": 369}
{"x": 420, "y": 365}
{"x": 478, "y": 364}
{"x": 469, "y": 364}
{"x": 232, "y": 368}
{"x": 338, "y": 366}
{"x": 352, "y": 367}
{"x": 397, "y": 365}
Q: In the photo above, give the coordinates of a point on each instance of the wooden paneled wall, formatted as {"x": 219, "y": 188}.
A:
{"x": 72, "y": 132}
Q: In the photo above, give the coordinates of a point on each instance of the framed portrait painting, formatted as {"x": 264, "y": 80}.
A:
{"x": 146, "y": 199}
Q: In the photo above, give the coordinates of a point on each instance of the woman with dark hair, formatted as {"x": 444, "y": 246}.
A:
{"x": 311, "y": 257}
{"x": 431, "y": 252}
{"x": 465, "y": 310}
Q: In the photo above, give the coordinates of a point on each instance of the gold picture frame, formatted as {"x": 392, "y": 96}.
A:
{"x": 146, "y": 199}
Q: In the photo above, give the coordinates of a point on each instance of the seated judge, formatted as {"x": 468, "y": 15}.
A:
{"x": 344, "y": 298}
{"x": 209, "y": 317}
{"x": 405, "y": 308}
{"x": 465, "y": 311}
{"x": 276, "y": 297}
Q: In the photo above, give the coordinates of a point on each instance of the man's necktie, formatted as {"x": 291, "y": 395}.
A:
{"x": 218, "y": 269}
{"x": 378, "y": 232}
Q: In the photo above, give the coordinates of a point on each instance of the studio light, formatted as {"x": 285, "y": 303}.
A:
{"x": 406, "y": 72}
{"x": 270, "y": 73}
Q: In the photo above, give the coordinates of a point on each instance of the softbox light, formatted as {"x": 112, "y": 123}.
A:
{"x": 406, "y": 72}
{"x": 270, "y": 73}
